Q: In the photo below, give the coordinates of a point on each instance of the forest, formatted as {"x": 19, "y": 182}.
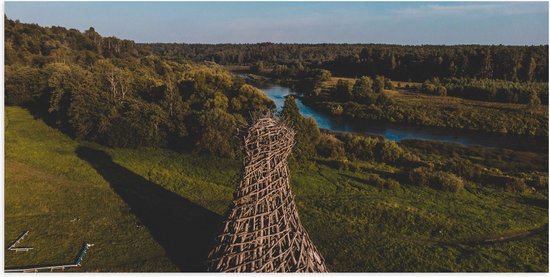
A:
{"x": 93, "y": 112}
{"x": 405, "y": 63}
{"x": 106, "y": 90}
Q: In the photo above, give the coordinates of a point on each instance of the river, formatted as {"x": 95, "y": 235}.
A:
{"x": 398, "y": 132}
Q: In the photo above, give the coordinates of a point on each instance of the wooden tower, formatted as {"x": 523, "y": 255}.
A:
{"x": 263, "y": 232}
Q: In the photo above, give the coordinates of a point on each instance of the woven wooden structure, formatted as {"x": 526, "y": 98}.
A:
{"x": 263, "y": 232}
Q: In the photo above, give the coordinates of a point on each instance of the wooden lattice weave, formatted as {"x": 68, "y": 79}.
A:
{"x": 263, "y": 232}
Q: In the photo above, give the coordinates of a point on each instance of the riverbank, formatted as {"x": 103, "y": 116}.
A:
{"x": 414, "y": 109}
{"x": 404, "y": 105}
{"x": 277, "y": 90}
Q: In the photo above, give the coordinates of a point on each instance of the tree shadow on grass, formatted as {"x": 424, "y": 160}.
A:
{"x": 185, "y": 230}
{"x": 541, "y": 203}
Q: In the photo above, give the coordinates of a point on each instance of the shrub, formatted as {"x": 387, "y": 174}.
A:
{"x": 360, "y": 147}
{"x": 330, "y": 147}
{"x": 388, "y": 84}
{"x": 446, "y": 181}
{"x": 336, "y": 109}
{"x": 388, "y": 151}
{"x": 378, "y": 85}
{"x": 516, "y": 185}
{"x": 464, "y": 168}
{"x": 391, "y": 184}
{"x": 433, "y": 87}
{"x": 419, "y": 176}
{"x": 384, "y": 99}
{"x": 322, "y": 75}
{"x": 376, "y": 180}
{"x": 540, "y": 182}
{"x": 409, "y": 160}
{"x": 441, "y": 90}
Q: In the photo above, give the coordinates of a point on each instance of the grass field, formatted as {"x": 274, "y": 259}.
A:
{"x": 157, "y": 210}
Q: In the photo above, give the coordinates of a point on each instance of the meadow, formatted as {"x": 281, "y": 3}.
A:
{"x": 153, "y": 209}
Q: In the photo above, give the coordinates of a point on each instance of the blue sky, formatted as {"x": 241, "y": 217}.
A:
{"x": 510, "y": 23}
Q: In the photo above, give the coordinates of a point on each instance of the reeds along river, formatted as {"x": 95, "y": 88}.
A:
{"x": 397, "y": 132}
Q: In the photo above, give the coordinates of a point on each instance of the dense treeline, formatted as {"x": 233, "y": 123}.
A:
{"x": 34, "y": 45}
{"x": 511, "y": 74}
{"x": 364, "y": 90}
{"x": 532, "y": 93}
{"x": 105, "y": 90}
{"x": 416, "y": 63}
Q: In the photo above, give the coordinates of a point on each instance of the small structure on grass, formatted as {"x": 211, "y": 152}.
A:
{"x": 263, "y": 232}
{"x": 14, "y": 247}
{"x": 76, "y": 263}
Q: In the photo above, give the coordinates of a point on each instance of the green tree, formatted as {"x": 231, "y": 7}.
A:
{"x": 307, "y": 132}
{"x": 330, "y": 147}
{"x": 291, "y": 112}
{"x": 362, "y": 88}
{"x": 533, "y": 101}
{"x": 342, "y": 91}
{"x": 219, "y": 134}
{"x": 388, "y": 84}
{"x": 378, "y": 85}
{"x": 24, "y": 84}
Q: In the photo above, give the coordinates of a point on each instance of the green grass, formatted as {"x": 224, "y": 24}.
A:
{"x": 355, "y": 225}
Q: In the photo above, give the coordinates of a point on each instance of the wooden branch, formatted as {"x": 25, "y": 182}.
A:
{"x": 263, "y": 232}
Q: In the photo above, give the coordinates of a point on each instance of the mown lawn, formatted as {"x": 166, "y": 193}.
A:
{"x": 157, "y": 210}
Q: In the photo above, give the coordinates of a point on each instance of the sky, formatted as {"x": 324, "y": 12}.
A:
{"x": 411, "y": 23}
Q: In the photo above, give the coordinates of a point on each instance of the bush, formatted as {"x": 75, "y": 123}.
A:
{"x": 336, "y": 109}
{"x": 391, "y": 184}
{"x": 540, "y": 182}
{"x": 388, "y": 84}
{"x": 388, "y": 151}
{"x": 330, "y": 147}
{"x": 441, "y": 90}
{"x": 360, "y": 147}
{"x": 516, "y": 185}
{"x": 419, "y": 176}
{"x": 378, "y": 85}
{"x": 384, "y": 99}
{"x": 410, "y": 160}
{"x": 465, "y": 168}
{"x": 446, "y": 181}
{"x": 376, "y": 180}
{"x": 322, "y": 75}
{"x": 433, "y": 87}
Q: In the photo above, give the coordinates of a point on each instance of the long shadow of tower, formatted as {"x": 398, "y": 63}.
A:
{"x": 185, "y": 230}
